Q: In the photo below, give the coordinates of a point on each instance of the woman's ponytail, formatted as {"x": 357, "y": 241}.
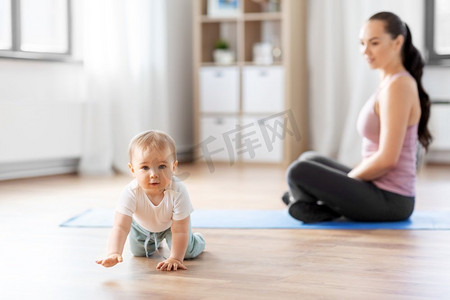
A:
{"x": 413, "y": 62}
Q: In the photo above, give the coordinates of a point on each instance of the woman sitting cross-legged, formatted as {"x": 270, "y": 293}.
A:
{"x": 382, "y": 186}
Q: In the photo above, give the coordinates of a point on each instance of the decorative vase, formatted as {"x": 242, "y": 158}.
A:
{"x": 223, "y": 56}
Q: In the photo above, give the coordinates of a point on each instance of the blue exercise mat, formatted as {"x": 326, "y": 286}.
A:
{"x": 271, "y": 219}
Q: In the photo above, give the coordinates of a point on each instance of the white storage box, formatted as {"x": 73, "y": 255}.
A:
{"x": 217, "y": 139}
{"x": 263, "y": 89}
{"x": 219, "y": 89}
{"x": 259, "y": 142}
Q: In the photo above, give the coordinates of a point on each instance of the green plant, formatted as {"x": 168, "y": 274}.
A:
{"x": 221, "y": 44}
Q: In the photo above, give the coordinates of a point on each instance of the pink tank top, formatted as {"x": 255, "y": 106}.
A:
{"x": 401, "y": 178}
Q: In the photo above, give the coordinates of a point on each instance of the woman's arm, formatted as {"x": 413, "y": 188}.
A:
{"x": 394, "y": 109}
{"x": 180, "y": 239}
{"x": 119, "y": 233}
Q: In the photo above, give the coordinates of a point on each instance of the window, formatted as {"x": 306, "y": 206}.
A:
{"x": 35, "y": 29}
{"x": 437, "y": 31}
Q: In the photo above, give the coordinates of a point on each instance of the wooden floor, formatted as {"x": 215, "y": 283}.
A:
{"x": 39, "y": 260}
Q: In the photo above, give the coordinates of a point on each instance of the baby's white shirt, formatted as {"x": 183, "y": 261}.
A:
{"x": 175, "y": 205}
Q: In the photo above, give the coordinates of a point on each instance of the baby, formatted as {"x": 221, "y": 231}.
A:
{"x": 154, "y": 206}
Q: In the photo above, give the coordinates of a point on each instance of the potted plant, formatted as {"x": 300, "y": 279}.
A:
{"x": 222, "y": 54}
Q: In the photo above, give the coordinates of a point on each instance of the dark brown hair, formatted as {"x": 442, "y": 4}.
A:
{"x": 413, "y": 62}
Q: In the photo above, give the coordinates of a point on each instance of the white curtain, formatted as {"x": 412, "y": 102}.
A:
{"x": 340, "y": 80}
{"x": 126, "y": 78}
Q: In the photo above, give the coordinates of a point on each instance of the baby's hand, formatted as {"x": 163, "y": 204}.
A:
{"x": 170, "y": 264}
{"x": 110, "y": 261}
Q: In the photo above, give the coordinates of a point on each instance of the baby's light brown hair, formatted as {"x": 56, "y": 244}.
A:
{"x": 152, "y": 140}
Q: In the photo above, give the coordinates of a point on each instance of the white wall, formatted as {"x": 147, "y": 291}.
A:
{"x": 41, "y": 103}
{"x": 437, "y": 83}
{"x": 41, "y": 113}
{"x": 180, "y": 93}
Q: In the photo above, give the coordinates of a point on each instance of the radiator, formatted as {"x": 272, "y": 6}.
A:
{"x": 39, "y": 138}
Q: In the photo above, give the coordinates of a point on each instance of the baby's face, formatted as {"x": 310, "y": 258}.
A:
{"x": 153, "y": 170}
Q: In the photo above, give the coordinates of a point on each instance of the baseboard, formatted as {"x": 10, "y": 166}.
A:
{"x": 24, "y": 169}
{"x": 185, "y": 154}
{"x": 438, "y": 156}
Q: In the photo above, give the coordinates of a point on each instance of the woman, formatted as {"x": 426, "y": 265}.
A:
{"x": 382, "y": 186}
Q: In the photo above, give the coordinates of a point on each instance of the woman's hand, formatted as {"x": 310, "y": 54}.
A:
{"x": 352, "y": 174}
{"x": 110, "y": 261}
{"x": 171, "y": 264}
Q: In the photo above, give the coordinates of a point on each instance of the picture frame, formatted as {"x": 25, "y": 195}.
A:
{"x": 223, "y": 8}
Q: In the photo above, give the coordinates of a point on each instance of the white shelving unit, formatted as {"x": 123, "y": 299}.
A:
{"x": 248, "y": 112}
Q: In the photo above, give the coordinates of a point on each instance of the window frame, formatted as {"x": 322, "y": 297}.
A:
{"x": 16, "y": 53}
{"x": 432, "y": 57}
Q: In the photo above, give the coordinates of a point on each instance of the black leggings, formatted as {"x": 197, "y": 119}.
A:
{"x": 314, "y": 177}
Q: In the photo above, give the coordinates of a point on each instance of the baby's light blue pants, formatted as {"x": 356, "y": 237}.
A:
{"x": 145, "y": 243}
